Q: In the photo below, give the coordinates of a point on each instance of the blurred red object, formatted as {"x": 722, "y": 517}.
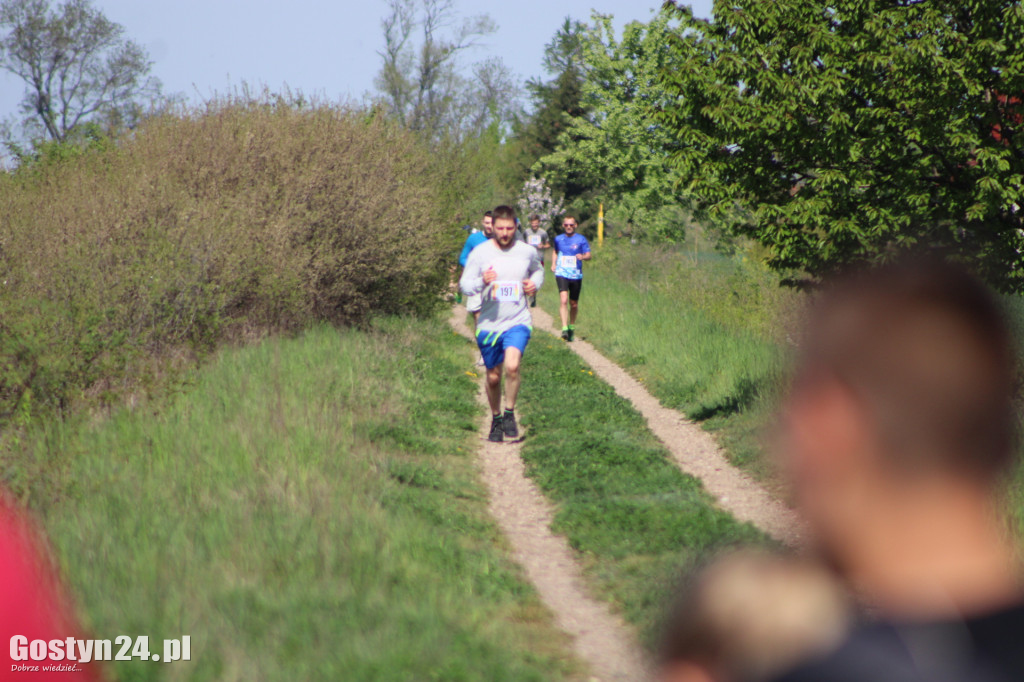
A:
{"x": 33, "y": 602}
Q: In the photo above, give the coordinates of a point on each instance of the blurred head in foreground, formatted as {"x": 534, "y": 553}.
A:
{"x": 750, "y": 615}
{"x": 899, "y": 430}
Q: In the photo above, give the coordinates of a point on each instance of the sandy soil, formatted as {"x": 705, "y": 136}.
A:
{"x": 600, "y": 638}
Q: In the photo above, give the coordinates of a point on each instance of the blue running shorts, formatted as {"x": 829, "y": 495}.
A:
{"x": 493, "y": 344}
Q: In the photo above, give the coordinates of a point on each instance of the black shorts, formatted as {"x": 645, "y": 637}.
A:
{"x": 573, "y": 286}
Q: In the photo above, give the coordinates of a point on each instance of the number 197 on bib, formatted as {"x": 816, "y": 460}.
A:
{"x": 507, "y": 291}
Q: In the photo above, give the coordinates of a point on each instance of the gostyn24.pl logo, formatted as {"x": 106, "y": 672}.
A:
{"x": 122, "y": 648}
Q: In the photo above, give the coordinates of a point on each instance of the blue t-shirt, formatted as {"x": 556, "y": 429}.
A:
{"x": 472, "y": 241}
{"x": 570, "y": 246}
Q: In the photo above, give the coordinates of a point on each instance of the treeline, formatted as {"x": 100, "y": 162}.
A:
{"x": 830, "y": 132}
{"x": 238, "y": 218}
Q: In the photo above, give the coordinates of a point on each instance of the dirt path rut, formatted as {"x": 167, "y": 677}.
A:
{"x": 693, "y": 449}
{"x": 600, "y": 638}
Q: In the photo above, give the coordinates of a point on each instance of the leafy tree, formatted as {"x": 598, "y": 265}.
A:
{"x": 422, "y": 84}
{"x": 614, "y": 147}
{"x": 76, "y": 64}
{"x": 556, "y": 102}
{"x": 850, "y": 128}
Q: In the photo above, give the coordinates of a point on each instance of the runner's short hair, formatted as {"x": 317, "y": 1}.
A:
{"x": 488, "y": 214}
{"x": 749, "y": 614}
{"x": 534, "y": 216}
{"x": 505, "y": 212}
{"x": 925, "y": 348}
{"x": 570, "y": 217}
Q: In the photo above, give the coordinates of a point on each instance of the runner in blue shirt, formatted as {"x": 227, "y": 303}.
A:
{"x": 571, "y": 249}
{"x": 473, "y": 303}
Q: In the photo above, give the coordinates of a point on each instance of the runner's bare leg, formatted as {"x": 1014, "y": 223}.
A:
{"x": 494, "y": 387}
{"x": 563, "y": 307}
{"x": 512, "y": 359}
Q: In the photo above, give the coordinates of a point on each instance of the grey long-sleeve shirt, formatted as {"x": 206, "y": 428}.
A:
{"x": 503, "y": 306}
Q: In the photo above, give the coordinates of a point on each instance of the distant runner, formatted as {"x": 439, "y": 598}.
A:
{"x": 472, "y": 241}
{"x": 504, "y": 272}
{"x": 538, "y": 239}
{"x": 519, "y": 231}
{"x": 571, "y": 249}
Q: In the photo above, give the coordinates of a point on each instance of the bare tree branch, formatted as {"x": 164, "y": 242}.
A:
{"x": 421, "y": 83}
{"x": 75, "y": 62}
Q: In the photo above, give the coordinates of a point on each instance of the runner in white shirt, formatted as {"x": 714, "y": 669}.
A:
{"x": 536, "y": 237}
{"x": 504, "y": 271}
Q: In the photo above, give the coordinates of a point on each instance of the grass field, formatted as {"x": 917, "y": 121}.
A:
{"x": 310, "y": 510}
{"x": 636, "y": 520}
{"x": 310, "y": 507}
{"x": 706, "y": 334}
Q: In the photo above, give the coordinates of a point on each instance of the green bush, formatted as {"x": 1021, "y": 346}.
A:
{"x": 239, "y": 218}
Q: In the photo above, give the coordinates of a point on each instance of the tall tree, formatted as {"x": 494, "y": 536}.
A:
{"x": 557, "y": 100}
{"x": 615, "y": 147}
{"x": 75, "y": 62}
{"x": 421, "y": 79}
{"x": 555, "y": 103}
{"x": 849, "y": 128}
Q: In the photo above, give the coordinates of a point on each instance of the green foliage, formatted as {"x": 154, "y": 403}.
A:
{"x": 474, "y": 175}
{"x": 612, "y": 147}
{"x": 845, "y": 130}
{"x": 239, "y": 219}
{"x": 87, "y": 137}
{"x": 279, "y": 517}
{"x": 556, "y": 102}
{"x": 634, "y": 516}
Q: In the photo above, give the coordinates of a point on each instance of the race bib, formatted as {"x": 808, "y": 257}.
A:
{"x": 533, "y": 240}
{"x": 567, "y": 262}
{"x": 507, "y": 290}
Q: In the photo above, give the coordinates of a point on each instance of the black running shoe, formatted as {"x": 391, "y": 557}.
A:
{"x": 509, "y": 424}
{"x": 572, "y": 334}
{"x": 565, "y": 334}
{"x": 497, "y": 429}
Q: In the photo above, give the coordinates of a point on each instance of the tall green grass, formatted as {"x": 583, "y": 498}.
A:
{"x": 636, "y": 519}
{"x": 310, "y": 510}
{"x": 704, "y": 332}
{"x": 708, "y": 334}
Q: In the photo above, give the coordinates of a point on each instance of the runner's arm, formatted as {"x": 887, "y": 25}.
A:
{"x": 472, "y": 280}
{"x": 464, "y": 256}
{"x": 536, "y": 270}
{"x": 586, "y": 255}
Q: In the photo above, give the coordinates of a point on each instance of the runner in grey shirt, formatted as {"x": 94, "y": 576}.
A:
{"x": 505, "y": 271}
{"x": 536, "y": 237}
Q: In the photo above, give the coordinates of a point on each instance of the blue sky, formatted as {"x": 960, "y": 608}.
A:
{"x": 202, "y": 47}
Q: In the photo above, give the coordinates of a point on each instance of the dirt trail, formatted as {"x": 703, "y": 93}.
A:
{"x": 693, "y": 449}
{"x": 600, "y": 638}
